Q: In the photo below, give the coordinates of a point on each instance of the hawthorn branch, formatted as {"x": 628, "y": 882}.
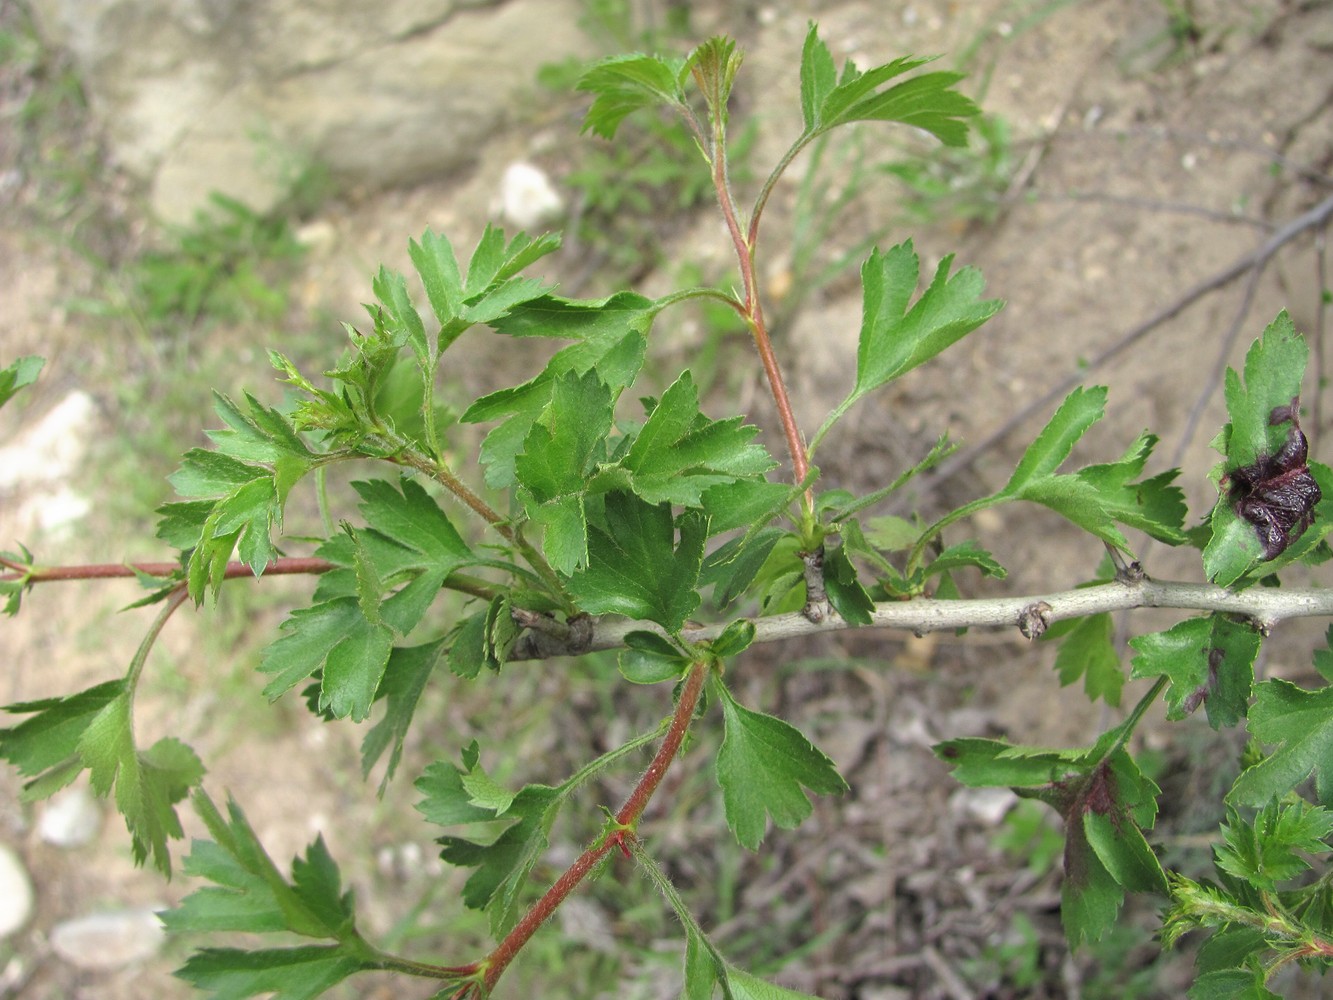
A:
{"x": 1263, "y": 606}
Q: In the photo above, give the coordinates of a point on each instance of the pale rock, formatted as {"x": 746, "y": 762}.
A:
{"x": 987, "y": 805}
{"x": 196, "y": 95}
{"x": 109, "y": 940}
{"x": 16, "y": 898}
{"x": 71, "y": 819}
{"x": 50, "y": 449}
{"x": 527, "y": 197}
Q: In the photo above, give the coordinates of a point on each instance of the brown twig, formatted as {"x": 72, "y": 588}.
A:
{"x": 286, "y": 566}
{"x": 626, "y": 819}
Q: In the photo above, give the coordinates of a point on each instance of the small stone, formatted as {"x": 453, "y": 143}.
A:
{"x": 16, "y": 898}
{"x": 527, "y": 198}
{"x": 71, "y": 819}
{"x": 108, "y": 940}
{"x": 988, "y": 805}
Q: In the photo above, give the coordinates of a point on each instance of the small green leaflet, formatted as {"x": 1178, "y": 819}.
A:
{"x": 764, "y": 767}
{"x": 18, "y": 375}
{"x": 491, "y": 289}
{"x": 453, "y": 796}
{"x": 844, "y": 590}
{"x": 349, "y": 637}
{"x": 1232, "y": 984}
{"x": 1274, "y": 369}
{"x": 649, "y": 658}
{"x": 714, "y": 65}
{"x": 624, "y": 84}
{"x": 259, "y": 458}
{"x": 609, "y": 337}
{"x": 249, "y": 894}
{"x": 405, "y": 677}
{"x": 895, "y": 338}
{"x": 636, "y": 565}
{"x": 1210, "y": 662}
{"x": 93, "y": 729}
{"x": 45, "y": 746}
{"x": 1087, "y": 650}
{"x": 1097, "y": 496}
{"x": 12, "y": 590}
{"x": 1300, "y": 725}
{"x": 277, "y": 973}
{"x": 925, "y": 102}
{"x": 1263, "y": 852}
{"x": 554, "y": 465}
{"x": 679, "y": 453}
{"x": 147, "y": 784}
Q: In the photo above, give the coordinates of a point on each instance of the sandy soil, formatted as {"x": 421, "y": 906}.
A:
{"x": 1144, "y": 167}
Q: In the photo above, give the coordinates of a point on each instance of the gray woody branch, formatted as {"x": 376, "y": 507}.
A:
{"x": 1265, "y": 607}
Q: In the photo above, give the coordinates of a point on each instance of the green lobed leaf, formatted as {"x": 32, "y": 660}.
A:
{"x": 1153, "y": 505}
{"x": 1210, "y": 662}
{"x": 984, "y": 763}
{"x": 742, "y": 503}
{"x": 1262, "y": 852}
{"x": 491, "y": 288}
{"x": 927, "y": 102}
{"x": 1105, "y": 810}
{"x": 334, "y": 637}
{"x": 280, "y": 973}
{"x": 404, "y": 680}
{"x": 679, "y": 453}
{"x": 1299, "y": 724}
{"x": 819, "y": 76}
{"x": 1274, "y": 369}
{"x": 637, "y": 567}
{"x": 1232, "y": 984}
{"x": 18, "y": 375}
{"x": 147, "y": 784}
{"x": 895, "y": 338}
{"x": 764, "y": 767}
{"x": 610, "y": 338}
{"x": 503, "y": 865}
{"x": 47, "y": 743}
{"x": 1080, "y": 410}
{"x": 953, "y": 557}
{"x": 1087, "y": 650}
{"x": 413, "y": 520}
{"x": 732, "y": 568}
{"x": 624, "y": 84}
{"x": 554, "y": 465}
{"x": 259, "y": 457}
{"x": 250, "y": 893}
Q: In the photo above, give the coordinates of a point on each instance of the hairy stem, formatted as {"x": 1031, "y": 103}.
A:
{"x": 753, "y": 309}
{"x": 498, "y": 960}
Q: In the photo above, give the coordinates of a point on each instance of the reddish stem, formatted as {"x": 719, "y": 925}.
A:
{"x": 498, "y": 960}
{"x": 97, "y": 571}
{"x": 754, "y": 315}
